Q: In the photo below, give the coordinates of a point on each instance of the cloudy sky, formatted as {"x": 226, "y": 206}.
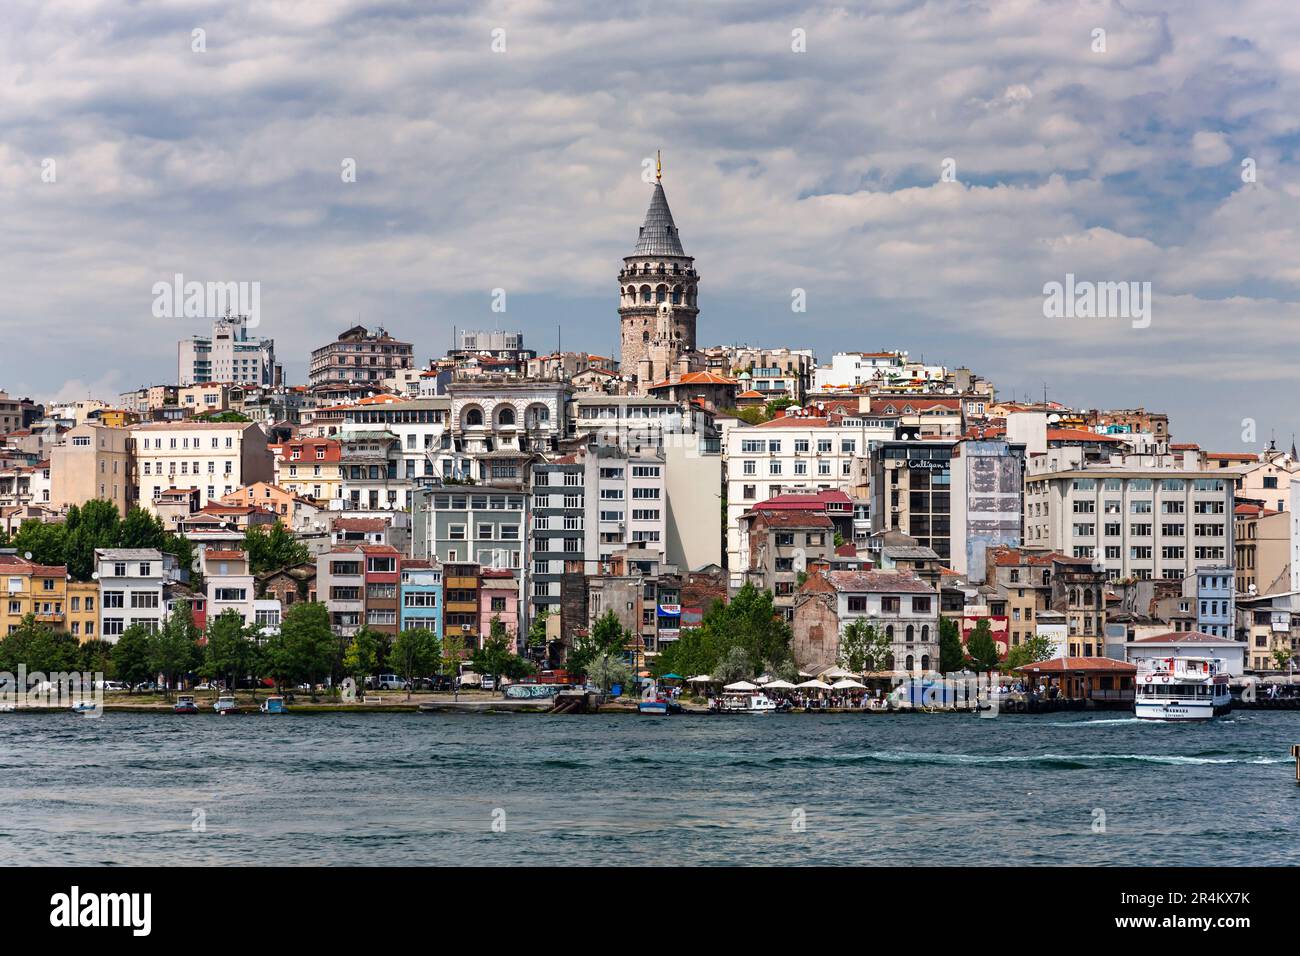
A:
{"x": 1114, "y": 157}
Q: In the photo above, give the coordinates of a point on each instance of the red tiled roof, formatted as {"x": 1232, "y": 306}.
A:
{"x": 1061, "y": 665}
{"x": 801, "y": 502}
{"x": 696, "y": 378}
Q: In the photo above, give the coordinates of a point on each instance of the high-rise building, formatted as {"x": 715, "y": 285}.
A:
{"x": 229, "y": 354}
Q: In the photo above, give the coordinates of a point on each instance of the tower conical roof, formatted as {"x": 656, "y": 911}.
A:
{"x": 659, "y": 236}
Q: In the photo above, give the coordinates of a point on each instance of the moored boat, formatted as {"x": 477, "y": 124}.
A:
{"x": 655, "y": 706}
{"x": 273, "y": 705}
{"x": 1182, "y": 688}
{"x": 226, "y": 705}
{"x": 185, "y": 704}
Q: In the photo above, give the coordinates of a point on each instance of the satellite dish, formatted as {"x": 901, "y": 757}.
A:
{"x": 1053, "y": 417}
{"x": 94, "y": 575}
{"x": 27, "y": 555}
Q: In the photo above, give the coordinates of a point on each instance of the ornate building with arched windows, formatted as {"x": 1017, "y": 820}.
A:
{"x": 657, "y": 299}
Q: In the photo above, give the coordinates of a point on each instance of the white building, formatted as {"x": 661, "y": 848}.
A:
{"x": 229, "y": 354}
{"x": 1142, "y": 516}
{"x": 229, "y": 583}
{"x": 792, "y": 454}
{"x": 131, "y": 588}
{"x": 214, "y": 457}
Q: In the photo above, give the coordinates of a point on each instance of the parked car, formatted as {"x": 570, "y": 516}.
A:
{"x": 114, "y": 685}
{"x": 390, "y": 682}
{"x": 205, "y": 686}
{"x": 489, "y": 682}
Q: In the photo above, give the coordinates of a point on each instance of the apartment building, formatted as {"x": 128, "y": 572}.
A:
{"x": 214, "y": 457}
{"x": 359, "y": 355}
{"x": 36, "y": 589}
{"x": 782, "y": 545}
{"x": 1139, "y": 516}
{"x": 901, "y": 605}
{"x": 1216, "y": 600}
{"x": 421, "y": 595}
{"x": 371, "y": 471}
{"x": 93, "y": 461}
{"x": 82, "y": 616}
{"x": 460, "y": 604}
{"x": 421, "y": 427}
{"x": 229, "y": 583}
{"x": 133, "y": 585}
{"x": 229, "y": 354}
{"x": 1027, "y": 585}
{"x": 796, "y": 453}
{"x": 312, "y": 467}
{"x": 1262, "y": 549}
{"x": 911, "y": 492}
{"x": 462, "y": 523}
{"x": 499, "y": 601}
{"x": 341, "y": 585}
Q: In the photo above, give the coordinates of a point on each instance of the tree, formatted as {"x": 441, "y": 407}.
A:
{"x": 273, "y": 549}
{"x": 607, "y": 636}
{"x": 864, "y": 647}
{"x": 140, "y": 529}
{"x": 96, "y": 657}
{"x": 38, "y": 647}
{"x": 230, "y": 652}
{"x": 361, "y": 659}
{"x": 497, "y": 656}
{"x": 537, "y": 630}
{"x": 607, "y": 669}
{"x": 951, "y": 654}
{"x": 981, "y": 649}
{"x": 734, "y": 665}
{"x": 415, "y": 654}
{"x": 1035, "y": 648}
{"x": 751, "y": 621}
{"x": 308, "y": 643}
{"x": 1282, "y": 656}
{"x": 173, "y": 649}
{"x": 131, "y": 656}
{"x": 453, "y": 652}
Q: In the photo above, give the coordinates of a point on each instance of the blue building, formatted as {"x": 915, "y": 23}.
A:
{"x": 421, "y": 595}
{"x": 1216, "y": 601}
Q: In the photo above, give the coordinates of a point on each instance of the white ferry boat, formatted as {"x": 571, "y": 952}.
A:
{"x": 1182, "y": 688}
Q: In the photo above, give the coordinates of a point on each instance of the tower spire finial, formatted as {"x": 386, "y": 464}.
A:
{"x": 659, "y": 167}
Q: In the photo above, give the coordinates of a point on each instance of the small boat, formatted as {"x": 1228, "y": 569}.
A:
{"x": 226, "y": 705}
{"x": 85, "y": 707}
{"x": 273, "y": 705}
{"x": 1182, "y": 688}
{"x": 654, "y": 705}
{"x": 185, "y": 704}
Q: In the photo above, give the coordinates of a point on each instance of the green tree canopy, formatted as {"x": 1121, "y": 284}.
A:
{"x": 952, "y": 656}
{"x": 39, "y": 647}
{"x": 307, "y": 644}
{"x": 864, "y": 647}
{"x": 415, "y": 654}
{"x": 273, "y": 549}
{"x": 131, "y": 656}
{"x": 981, "y": 648}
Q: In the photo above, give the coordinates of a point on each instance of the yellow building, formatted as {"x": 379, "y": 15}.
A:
{"x": 29, "y": 588}
{"x": 82, "y": 610}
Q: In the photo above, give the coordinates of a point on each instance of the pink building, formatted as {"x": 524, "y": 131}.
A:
{"x": 499, "y": 598}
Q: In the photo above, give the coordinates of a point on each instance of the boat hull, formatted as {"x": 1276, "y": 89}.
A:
{"x": 655, "y": 708}
{"x": 1180, "y": 709}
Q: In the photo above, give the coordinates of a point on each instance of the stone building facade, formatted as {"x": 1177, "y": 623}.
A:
{"x": 657, "y": 299}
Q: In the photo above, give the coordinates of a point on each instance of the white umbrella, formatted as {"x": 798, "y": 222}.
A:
{"x": 815, "y": 685}
{"x": 848, "y": 685}
{"x": 700, "y": 679}
{"x": 837, "y": 672}
{"x": 741, "y": 685}
{"x": 779, "y": 685}
{"x": 804, "y": 674}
